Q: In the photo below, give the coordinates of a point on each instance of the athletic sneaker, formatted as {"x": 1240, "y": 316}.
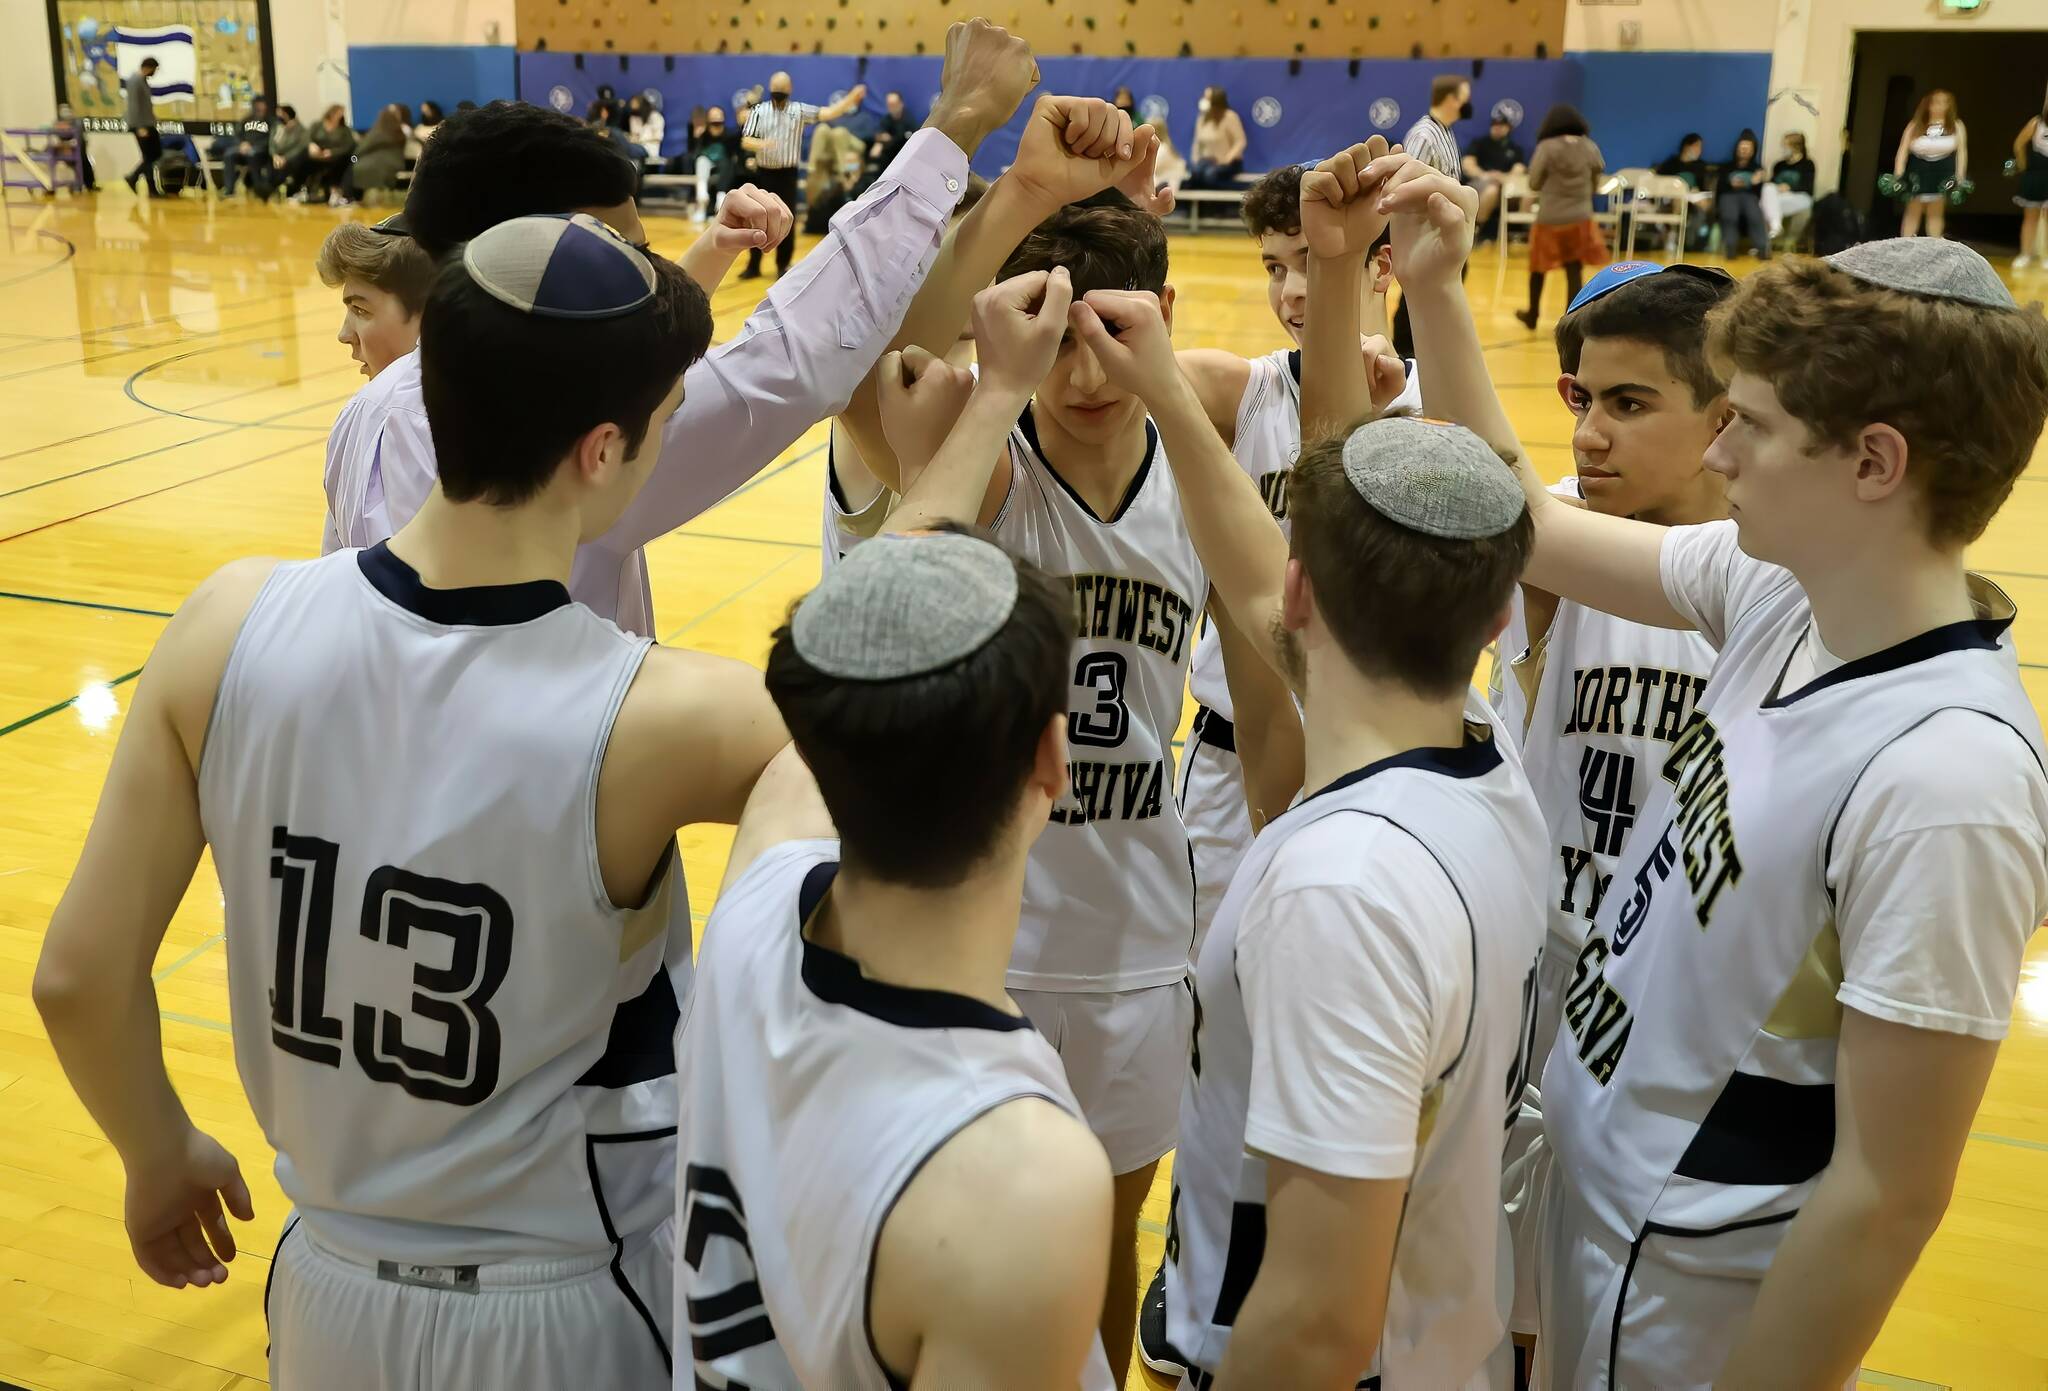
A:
{"x": 1154, "y": 1348}
{"x": 2022, "y": 262}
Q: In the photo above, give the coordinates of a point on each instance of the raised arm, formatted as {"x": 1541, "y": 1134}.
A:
{"x": 785, "y": 806}
{"x": 748, "y": 219}
{"x": 93, "y": 985}
{"x": 1269, "y": 738}
{"x": 845, "y": 106}
{"x": 1609, "y": 563}
{"x": 1340, "y": 220}
{"x": 1962, "y": 152}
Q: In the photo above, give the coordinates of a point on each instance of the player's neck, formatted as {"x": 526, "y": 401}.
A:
{"x": 1884, "y": 595}
{"x": 461, "y": 545}
{"x": 1100, "y": 473}
{"x": 956, "y": 939}
{"x": 1705, "y": 500}
{"x": 1350, "y": 720}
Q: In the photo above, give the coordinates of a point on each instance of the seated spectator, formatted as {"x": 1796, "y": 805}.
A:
{"x": 888, "y": 140}
{"x": 430, "y": 120}
{"x": 1219, "y": 143}
{"x": 1168, "y": 168}
{"x": 328, "y": 149}
{"x": 1740, "y": 199}
{"x": 1788, "y": 197}
{"x": 833, "y": 147}
{"x": 384, "y": 277}
{"x": 246, "y": 151}
{"x": 1488, "y": 163}
{"x": 599, "y": 117}
{"x": 1688, "y": 165}
{"x": 842, "y": 188}
{"x": 67, "y": 139}
{"x": 714, "y": 156}
{"x": 646, "y": 127}
{"x": 288, "y": 142}
{"x": 1126, "y": 103}
{"x": 378, "y": 158}
{"x": 1563, "y": 175}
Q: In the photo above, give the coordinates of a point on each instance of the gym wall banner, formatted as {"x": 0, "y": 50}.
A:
{"x": 212, "y": 57}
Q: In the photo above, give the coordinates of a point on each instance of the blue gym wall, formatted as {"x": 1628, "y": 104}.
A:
{"x": 412, "y": 73}
{"x": 1638, "y": 104}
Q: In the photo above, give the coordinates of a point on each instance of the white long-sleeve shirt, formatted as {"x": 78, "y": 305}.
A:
{"x": 795, "y": 361}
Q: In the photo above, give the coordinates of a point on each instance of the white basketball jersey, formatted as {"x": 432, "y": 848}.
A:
{"x": 811, "y": 1096}
{"x": 846, "y": 527}
{"x": 1109, "y": 893}
{"x": 461, "y": 1051}
{"x": 1674, "y": 1091}
{"x": 1473, "y": 811}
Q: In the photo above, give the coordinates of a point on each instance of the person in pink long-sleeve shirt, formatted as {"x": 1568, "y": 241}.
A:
{"x": 796, "y": 360}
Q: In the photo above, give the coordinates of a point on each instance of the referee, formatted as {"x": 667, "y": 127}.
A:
{"x": 1432, "y": 141}
{"x": 774, "y": 136}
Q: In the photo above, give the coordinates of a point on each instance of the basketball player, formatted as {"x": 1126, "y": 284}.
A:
{"x": 795, "y": 361}
{"x": 1598, "y": 701}
{"x": 861, "y": 1094}
{"x": 1364, "y": 989}
{"x": 1781, "y": 1024}
{"x": 442, "y": 800}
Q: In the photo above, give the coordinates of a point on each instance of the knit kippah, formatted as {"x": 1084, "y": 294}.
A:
{"x": 1433, "y": 477}
{"x": 1930, "y": 266}
{"x": 900, "y": 606}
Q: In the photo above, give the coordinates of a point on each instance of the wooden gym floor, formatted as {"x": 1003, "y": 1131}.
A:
{"x": 167, "y": 377}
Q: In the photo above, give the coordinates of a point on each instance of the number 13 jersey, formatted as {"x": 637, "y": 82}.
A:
{"x": 1109, "y": 892}
{"x": 460, "y": 1049}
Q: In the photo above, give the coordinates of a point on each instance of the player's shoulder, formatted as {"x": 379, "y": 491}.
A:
{"x": 680, "y": 695}
{"x": 1020, "y": 1172}
{"x": 1220, "y": 380}
{"x": 1958, "y": 767}
{"x": 1354, "y": 854}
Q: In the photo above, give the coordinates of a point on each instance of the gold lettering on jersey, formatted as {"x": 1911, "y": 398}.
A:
{"x": 1273, "y": 488}
{"x": 1144, "y": 613}
{"x": 1113, "y": 792}
{"x": 1596, "y": 1014}
{"x": 1633, "y": 702}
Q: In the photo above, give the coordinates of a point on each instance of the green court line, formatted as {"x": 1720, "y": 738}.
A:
{"x": 188, "y": 958}
{"x": 1866, "y": 1377}
{"x": 194, "y": 1020}
{"x": 82, "y": 604}
{"x": 737, "y": 593}
{"x": 1988, "y": 1138}
{"x": 747, "y": 540}
{"x": 27, "y": 720}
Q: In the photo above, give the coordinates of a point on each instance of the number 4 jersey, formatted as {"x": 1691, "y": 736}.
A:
{"x": 461, "y": 1050}
{"x": 1109, "y": 896}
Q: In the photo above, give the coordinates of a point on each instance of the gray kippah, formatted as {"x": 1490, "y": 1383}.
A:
{"x": 1931, "y": 266}
{"x": 1433, "y": 477}
{"x": 901, "y": 606}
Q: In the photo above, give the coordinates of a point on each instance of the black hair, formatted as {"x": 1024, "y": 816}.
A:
{"x": 1667, "y": 310}
{"x": 509, "y": 393}
{"x": 1562, "y": 120}
{"x": 507, "y": 160}
{"x": 149, "y": 65}
{"x": 1691, "y": 137}
{"x": 289, "y": 112}
{"x": 1106, "y": 243}
{"x": 431, "y": 113}
{"x": 1756, "y": 150}
{"x": 947, "y": 752}
{"x": 465, "y": 105}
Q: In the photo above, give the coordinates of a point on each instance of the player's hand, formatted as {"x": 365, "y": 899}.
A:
{"x": 1386, "y": 373}
{"x": 1432, "y": 219}
{"x": 987, "y": 74}
{"x": 1142, "y": 184}
{"x": 860, "y": 91}
{"x": 1340, "y": 214}
{"x": 1073, "y": 148}
{"x": 1126, "y": 330}
{"x": 921, "y": 397}
{"x": 173, "y": 1212}
{"x": 750, "y": 219}
{"x": 1018, "y": 325}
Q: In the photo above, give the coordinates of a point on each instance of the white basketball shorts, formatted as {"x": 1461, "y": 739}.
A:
{"x": 1126, "y": 1055}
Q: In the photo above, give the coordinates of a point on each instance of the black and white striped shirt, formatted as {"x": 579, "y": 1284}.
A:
{"x": 783, "y": 129}
{"x": 1431, "y": 141}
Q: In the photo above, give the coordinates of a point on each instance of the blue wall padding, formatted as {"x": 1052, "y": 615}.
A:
{"x": 1639, "y": 104}
{"x": 412, "y": 73}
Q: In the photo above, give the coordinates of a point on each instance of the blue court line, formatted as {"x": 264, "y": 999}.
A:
{"x": 82, "y": 604}
{"x": 188, "y": 958}
{"x": 44, "y": 714}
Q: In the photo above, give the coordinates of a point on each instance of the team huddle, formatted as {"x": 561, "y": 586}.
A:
{"x": 1573, "y": 1034}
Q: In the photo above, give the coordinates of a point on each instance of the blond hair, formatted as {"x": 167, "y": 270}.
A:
{"x": 393, "y": 262}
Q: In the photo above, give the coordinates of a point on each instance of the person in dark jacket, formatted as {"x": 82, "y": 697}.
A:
{"x": 328, "y": 150}
{"x": 141, "y": 111}
{"x": 1689, "y": 165}
{"x": 245, "y": 151}
{"x": 1740, "y": 199}
{"x": 378, "y": 157}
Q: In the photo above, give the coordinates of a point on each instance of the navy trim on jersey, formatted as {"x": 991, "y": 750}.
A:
{"x": 642, "y": 1044}
{"x": 270, "y": 1276}
{"x": 1474, "y": 758}
{"x": 479, "y": 606}
{"x": 1030, "y": 429}
{"x": 1763, "y": 1130}
{"x": 617, "y": 1265}
{"x": 1972, "y": 634}
{"x": 837, "y": 979}
{"x": 1294, "y": 366}
{"x": 1635, "y": 1249}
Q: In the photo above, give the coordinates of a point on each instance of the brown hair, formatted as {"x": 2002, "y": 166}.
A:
{"x": 1273, "y": 204}
{"x": 1443, "y": 86}
{"x": 1403, "y": 605}
{"x": 394, "y": 264}
{"x": 1105, "y": 242}
{"x": 1925, "y": 110}
{"x": 1966, "y": 386}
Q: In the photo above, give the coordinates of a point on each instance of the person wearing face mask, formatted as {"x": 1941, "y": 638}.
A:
{"x": 774, "y": 136}
{"x": 1740, "y": 201}
{"x": 1788, "y": 197}
{"x": 1219, "y": 143}
{"x": 712, "y": 155}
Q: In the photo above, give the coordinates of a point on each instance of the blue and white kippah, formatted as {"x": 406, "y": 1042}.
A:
{"x": 560, "y": 266}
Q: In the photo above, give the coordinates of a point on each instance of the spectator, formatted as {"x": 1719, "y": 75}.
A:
{"x": 328, "y": 149}
{"x": 1689, "y": 165}
{"x": 1168, "y": 167}
{"x": 1741, "y": 199}
{"x": 1488, "y": 163}
{"x": 1126, "y": 103}
{"x": 142, "y": 121}
{"x": 1788, "y": 197}
{"x": 614, "y": 109}
{"x": 384, "y": 277}
{"x": 288, "y": 142}
{"x": 1564, "y": 173}
{"x": 2030, "y": 158}
{"x": 465, "y": 106}
{"x": 599, "y": 117}
{"x": 1934, "y": 156}
{"x": 67, "y": 139}
{"x": 891, "y": 136}
{"x": 841, "y": 185}
{"x": 246, "y": 150}
{"x": 430, "y": 120}
{"x": 377, "y": 160}
{"x": 1219, "y": 143}
{"x": 646, "y": 126}
{"x": 834, "y": 150}
{"x": 714, "y": 154}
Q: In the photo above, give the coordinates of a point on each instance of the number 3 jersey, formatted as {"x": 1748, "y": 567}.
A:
{"x": 460, "y": 1049}
{"x": 812, "y": 1095}
{"x": 1109, "y": 892}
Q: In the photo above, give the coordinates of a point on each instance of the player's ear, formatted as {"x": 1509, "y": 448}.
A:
{"x": 598, "y": 454}
{"x": 1296, "y": 596}
{"x": 1566, "y": 385}
{"x": 1166, "y": 306}
{"x": 1049, "y": 773}
{"x": 1880, "y": 462}
{"x": 1383, "y": 269}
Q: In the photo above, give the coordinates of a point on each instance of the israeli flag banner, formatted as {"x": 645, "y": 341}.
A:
{"x": 176, "y": 53}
